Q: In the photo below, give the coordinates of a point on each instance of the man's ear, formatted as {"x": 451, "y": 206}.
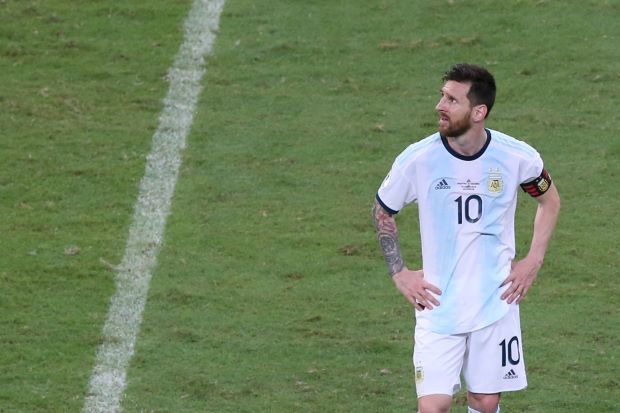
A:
{"x": 479, "y": 113}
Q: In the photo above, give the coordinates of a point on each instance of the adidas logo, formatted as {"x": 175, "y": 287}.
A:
{"x": 443, "y": 184}
{"x": 511, "y": 375}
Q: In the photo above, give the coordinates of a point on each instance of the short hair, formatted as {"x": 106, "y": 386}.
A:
{"x": 482, "y": 90}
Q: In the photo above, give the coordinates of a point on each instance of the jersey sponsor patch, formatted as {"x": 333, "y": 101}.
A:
{"x": 538, "y": 186}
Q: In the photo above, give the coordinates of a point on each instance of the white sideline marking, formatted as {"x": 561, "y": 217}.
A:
{"x": 108, "y": 380}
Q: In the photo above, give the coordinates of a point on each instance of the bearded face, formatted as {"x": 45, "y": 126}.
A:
{"x": 454, "y": 125}
{"x": 454, "y": 109}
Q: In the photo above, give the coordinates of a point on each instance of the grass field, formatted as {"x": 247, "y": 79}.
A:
{"x": 270, "y": 293}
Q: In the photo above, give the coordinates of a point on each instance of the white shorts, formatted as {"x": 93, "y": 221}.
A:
{"x": 491, "y": 359}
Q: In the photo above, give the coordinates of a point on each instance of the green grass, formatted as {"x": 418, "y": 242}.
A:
{"x": 271, "y": 293}
{"x": 80, "y": 94}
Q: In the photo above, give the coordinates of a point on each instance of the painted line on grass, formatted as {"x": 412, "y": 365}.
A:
{"x": 108, "y": 380}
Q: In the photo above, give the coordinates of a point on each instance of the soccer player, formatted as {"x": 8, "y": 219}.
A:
{"x": 465, "y": 180}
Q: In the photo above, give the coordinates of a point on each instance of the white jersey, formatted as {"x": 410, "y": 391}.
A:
{"x": 466, "y": 211}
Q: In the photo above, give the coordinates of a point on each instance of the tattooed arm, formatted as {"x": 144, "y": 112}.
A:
{"x": 410, "y": 283}
{"x": 387, "y": 234}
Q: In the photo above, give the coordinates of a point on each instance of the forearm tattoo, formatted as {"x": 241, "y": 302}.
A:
{"x": 387, "y": 234}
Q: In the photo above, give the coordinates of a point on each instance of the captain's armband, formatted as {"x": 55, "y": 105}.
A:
{"x": 538, "y": 186}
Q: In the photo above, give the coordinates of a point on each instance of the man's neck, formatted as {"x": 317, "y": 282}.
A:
{"x": 469, "y": 143}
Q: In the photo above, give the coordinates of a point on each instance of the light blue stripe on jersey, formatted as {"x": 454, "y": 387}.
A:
{"x": 436, "y": 228}
{"x": 414, "y": 148}
{"x": 513, "y": 143}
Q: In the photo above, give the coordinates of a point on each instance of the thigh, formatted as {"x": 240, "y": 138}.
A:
{"x": 494, "y": 362}
{"x": 437, "y": 360}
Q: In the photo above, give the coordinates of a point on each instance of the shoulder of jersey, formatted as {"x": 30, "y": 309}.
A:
{"x": 417, "y": 149}
{"x": 512, "y": 145}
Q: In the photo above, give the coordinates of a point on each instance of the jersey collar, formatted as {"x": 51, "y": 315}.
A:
{"x": 473, "y": 157}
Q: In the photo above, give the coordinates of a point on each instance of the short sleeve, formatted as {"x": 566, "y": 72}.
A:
{"x": 531, "y": 168}
{"x": 397, "y": 190}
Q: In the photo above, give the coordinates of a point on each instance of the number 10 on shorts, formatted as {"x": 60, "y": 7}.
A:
{"x": 510, "y": 351}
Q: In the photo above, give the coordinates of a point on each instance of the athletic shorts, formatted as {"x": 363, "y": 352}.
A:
{"x": 490, "y": 359}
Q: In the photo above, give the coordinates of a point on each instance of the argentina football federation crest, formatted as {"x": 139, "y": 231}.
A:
{"x": 495, "y": 182}
{"x": 419, "y": 374}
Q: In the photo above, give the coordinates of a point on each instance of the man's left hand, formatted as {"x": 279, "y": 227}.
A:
{"x": 521, "y": 278}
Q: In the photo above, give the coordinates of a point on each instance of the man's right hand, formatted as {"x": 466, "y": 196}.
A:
{"x": 416, "y": 289}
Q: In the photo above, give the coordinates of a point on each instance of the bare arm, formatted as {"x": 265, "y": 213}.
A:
{"x": 387, "y": 234}
{"x": 410, "y": 283}
{"x": 525, "y": 271}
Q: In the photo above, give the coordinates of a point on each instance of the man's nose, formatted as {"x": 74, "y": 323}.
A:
{"x": 440, "y": 105}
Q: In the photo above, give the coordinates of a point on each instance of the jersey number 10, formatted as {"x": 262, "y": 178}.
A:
{"x": 470, "y": 208}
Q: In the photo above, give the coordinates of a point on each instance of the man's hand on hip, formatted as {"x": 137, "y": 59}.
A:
{"x": 416, "y": 289}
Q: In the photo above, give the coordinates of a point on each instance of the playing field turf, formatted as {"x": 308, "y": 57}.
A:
{"x": 270, "y": 293}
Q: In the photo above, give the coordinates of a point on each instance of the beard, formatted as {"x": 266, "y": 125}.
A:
{"x": 456, "y": 128}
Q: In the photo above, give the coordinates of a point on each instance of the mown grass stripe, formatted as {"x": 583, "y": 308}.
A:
{"x": 146, "y": 232}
